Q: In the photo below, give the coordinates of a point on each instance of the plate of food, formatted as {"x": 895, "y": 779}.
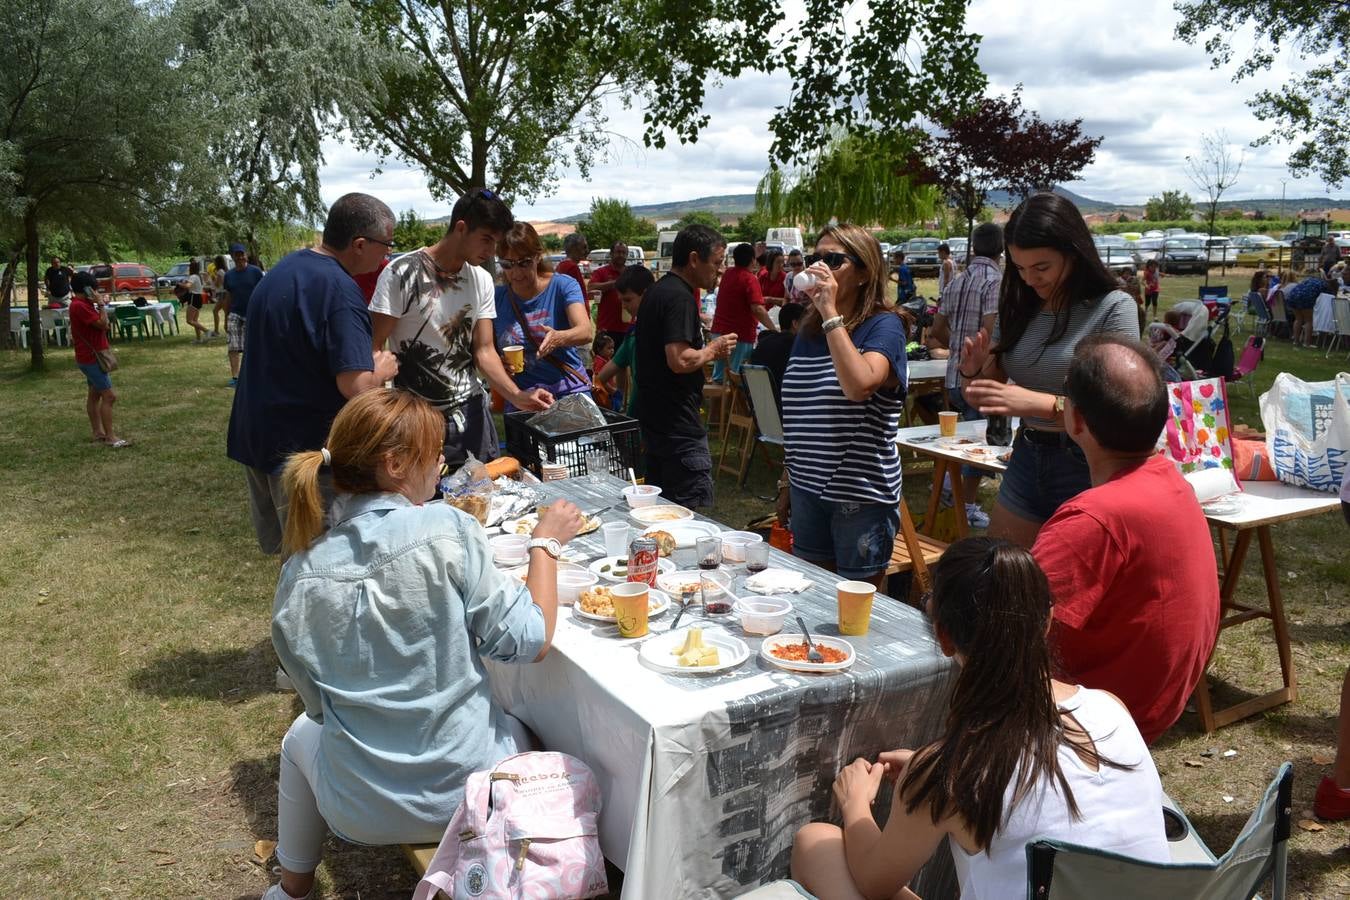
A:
{"x": 788, "y": 651}
{"x": 596, "y": 604}
{"x": 985, "y": 453}
{"x": 660, "y": 513}
{"x": 958, "y": 442}
{"x": 615, "y": 568}
{"x": 675, "y": 583}
{"x": 528, "y": 522}
{"x": 694, "y": 651}
{"x": 681, "y": 535}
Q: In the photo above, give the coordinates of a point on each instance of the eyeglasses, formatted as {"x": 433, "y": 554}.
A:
{"x": 833, "y": 260}
{"x": 507, "y": 265}
{"x": 796, "y": 264}
{"x": 387, "y": 244}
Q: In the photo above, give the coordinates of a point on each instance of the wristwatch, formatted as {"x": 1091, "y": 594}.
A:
{"x": 548, "y": 545}
{"x": 1059, "y": 404}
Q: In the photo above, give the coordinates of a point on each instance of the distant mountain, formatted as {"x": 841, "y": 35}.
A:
{"x": 728, "y": 206}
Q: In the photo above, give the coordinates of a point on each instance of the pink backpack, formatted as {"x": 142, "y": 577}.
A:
{"x": 526, "y": 829}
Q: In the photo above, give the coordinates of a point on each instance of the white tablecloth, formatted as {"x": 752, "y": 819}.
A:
{"x": 1324, "y": 314}
{"x": 161, "y": 312}
{"x": 50, "y": 317}
{"x": 707, "y": 778}
{"x": 927, "y": 369}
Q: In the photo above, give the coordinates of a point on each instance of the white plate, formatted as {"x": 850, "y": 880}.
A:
{"x": 526, "y": 524}
{"x": 657, "y": 603}
{"x": 960, "y": 442}
{"x": 664, "y": 565}
{"x": 686, "y": 532}
{"x": 1222, "y": 507}
{"x": 648, "y": 515}
{"x": 804, "y": 666}
{"x": 672, "y": 581}
{"x": 732, "y": 651}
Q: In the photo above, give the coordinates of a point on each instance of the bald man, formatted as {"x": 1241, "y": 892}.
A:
{"x": 1130, "y": 560}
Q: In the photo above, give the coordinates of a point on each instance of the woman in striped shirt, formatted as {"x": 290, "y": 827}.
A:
{"x": 842, "y": 395}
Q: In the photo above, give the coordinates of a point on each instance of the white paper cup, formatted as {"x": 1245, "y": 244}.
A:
{"x": 616, "y": 538}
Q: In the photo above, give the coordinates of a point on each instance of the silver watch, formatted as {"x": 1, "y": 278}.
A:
{"x": 548, "y": 545}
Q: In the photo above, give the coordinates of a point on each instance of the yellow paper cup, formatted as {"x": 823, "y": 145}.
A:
{"x": 515, "y": 359}
{"x": 630, "y": 608}
{"x": 947, "y": 423}
{"x": 855, "y": 606}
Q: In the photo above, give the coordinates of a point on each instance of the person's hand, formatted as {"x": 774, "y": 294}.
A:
{"x": 855, "y": 788}
{"x": 722, "y": 345}
{"x": 532, "y": 400}
{"x": 894, "y": 762}
{"x": 939, "y": 353}
{"x": 975, "y": 352}
{"x": 823, "y": 292}
{"x": 561, "y": 521}
{"x": 386, "y": 365}
{"x": 997, "y": 398}
{"x": 552, "y": 341}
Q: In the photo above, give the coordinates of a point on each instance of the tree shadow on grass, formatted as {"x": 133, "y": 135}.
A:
{"x": 230, "y": 676}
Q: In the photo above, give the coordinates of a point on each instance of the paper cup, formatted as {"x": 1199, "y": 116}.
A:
{"x": 630, "y": 608}
{"x": 947, "y": 423}
{"x": 515, "y": 359}
{"x": 855, "y": 606}
{"x": 616, "y": 538}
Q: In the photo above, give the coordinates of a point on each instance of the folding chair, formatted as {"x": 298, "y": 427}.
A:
{"x": 1259, "y": 308}
{"x": 914, "y": 552}
{"x": 1058, "y": 870}
{"x": 1245, "y": 370}
{"x": 758, "y": 383}
{"x": 739, "y": 431}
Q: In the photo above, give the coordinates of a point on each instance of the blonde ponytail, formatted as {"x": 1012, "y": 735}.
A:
{"x": 304, "y": 518}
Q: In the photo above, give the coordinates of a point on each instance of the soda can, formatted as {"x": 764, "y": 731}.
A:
{"x": 643, "y": 560}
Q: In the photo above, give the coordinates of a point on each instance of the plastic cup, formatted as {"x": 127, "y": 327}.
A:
{"x": 757, "y": 556}
{"x": 515, "y": 359}
{"x": 630, "y": 608}
{"x": 855, "y": 606}
{"x": 947, "y": 423}
{"x": 616, "y": 538}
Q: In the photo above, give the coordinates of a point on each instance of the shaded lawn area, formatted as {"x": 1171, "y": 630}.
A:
{"x": 141, "y": 727}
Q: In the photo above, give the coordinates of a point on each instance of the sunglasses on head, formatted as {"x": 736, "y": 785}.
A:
{"x": 833, "y": 260}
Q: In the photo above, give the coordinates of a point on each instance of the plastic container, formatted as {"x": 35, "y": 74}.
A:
{"x": 572, "y": 582}
{"x": 735, "y": 542}
{"x": 509, "y": 549}
{"x": 762, "y": 615}
{"x": 662, "y": 514}
{"x": 803, "y": 281}
{"x": 619, "y": 439}
{"x": 642, "y": 495}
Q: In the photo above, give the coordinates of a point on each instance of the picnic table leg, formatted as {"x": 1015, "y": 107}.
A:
{"x": 958, "y": 500}
{"x": 1231, "y": 570}
{"x": 934, "y": 497}
{"x": 1277, "y": 619}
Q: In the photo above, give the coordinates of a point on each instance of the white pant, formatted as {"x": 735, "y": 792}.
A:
{"x": 300, "y": 827}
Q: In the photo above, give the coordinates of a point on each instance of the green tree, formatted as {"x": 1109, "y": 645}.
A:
{"x": 753, "y": 226}
{"x": 609, "y": 220}
{"x": 698, "y": 217}
{"x": 1172, "y": 205}
{"x": 410, "y": 232}
{"x": 87, "y": 87}
{"x": 1308, "y": 110}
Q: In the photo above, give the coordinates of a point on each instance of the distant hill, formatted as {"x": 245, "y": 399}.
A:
{"x": 729, "y": 206}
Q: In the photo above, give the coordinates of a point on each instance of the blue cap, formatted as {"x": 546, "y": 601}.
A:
{"x": 238, "y": 248}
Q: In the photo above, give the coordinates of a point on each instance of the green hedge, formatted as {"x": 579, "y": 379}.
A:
{"x": 1272, "y": 227}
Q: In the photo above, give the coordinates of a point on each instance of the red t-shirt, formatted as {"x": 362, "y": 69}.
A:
{"x": 736, "y": 295}
{"x": 367, "y": 281}
{"x": 1131, "y": 566}
{"x": 569, "y": 267}
{"x": 609, "y": 315}
{"x": 83, "y": 334}
{"x": 771, "y": 288}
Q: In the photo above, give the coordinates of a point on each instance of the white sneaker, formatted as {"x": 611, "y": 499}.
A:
{"x": 275, "y": 892}
{"x": 284, "y": 680}
{"x": 976, "y": 517}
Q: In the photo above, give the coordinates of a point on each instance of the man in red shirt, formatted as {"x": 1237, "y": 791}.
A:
{"x": 609, "y": 315}
{"x": 89, "y": 332}
{"x": 574, "y": 245}
{"x": 740, "y": 305}
{"x": 1130, "y": 560}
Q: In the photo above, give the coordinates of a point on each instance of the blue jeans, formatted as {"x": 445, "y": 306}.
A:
{"x": 97, "y": 378}
{"x": 856, "y": 538}
{"x": 739, "y": 357}
{"x": 1041, "y": 477}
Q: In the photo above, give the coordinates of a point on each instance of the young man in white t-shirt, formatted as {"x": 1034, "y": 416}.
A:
{"x": 435, "y": 307}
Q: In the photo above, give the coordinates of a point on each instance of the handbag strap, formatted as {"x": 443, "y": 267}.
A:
{"x": 569, "y": 373}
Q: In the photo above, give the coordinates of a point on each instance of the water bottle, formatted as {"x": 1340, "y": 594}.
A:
{"x": 803, "y": 281}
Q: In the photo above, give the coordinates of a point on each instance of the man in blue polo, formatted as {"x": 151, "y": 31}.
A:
{"x": 239, "y": 284}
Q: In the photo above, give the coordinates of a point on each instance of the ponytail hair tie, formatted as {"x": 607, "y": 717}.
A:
{"x": 327, "y": 457}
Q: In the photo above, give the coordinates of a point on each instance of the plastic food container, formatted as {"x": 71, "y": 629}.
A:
{"x": 571, "y": 582}
{"x": 735, "y": 542}
{"x": 641, "y": 495}
{"x": 661, "y": 514}
{"x": 509, "y": 549}
{"x": 762, "y": 615}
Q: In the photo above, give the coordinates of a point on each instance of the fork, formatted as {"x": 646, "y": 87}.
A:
{"x": 686, "y": 597}
{"x": 812, "y": 654}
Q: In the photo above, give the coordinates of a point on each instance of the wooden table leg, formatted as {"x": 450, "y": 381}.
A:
{"x": 934, "y": 497}
{"x": 959, "y": 500}
{"x": 1278, "y": 621}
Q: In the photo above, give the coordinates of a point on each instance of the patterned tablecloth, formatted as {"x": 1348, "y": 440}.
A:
{"x": 706, "y": 778}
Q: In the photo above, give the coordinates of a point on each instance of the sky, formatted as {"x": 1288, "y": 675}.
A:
{"x": 1115, "y": 65}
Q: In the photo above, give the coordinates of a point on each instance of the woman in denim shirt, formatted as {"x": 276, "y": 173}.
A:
{"x": 381, "y": 622}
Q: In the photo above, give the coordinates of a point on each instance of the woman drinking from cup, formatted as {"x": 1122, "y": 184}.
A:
{"x": 382, "y": 623}
{"x": 1055, "y": 291}
{"x": 541, "y": 319}
{"x": 843, "y": 392}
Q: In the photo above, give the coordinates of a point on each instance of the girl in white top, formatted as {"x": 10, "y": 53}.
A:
{"x": 1023, "y": 756}
{"x": 193, "y": 301}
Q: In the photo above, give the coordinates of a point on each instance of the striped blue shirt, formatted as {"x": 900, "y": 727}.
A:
{"x": 837, "y": 449}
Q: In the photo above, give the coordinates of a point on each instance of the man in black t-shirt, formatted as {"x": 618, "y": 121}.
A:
{"x": 671, "y": 357}
{"x": 57, "y": 280}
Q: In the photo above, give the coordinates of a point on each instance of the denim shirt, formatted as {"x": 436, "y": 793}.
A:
{"x": 381, "y": 625}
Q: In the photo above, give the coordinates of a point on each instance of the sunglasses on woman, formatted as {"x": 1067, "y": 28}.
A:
{"x": 507, "y": 265}
{"x": 833, "y": 260}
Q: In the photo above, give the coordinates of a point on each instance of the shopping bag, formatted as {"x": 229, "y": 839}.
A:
{"x": 1308, "y": 430}
{"x": 1196, "y": 436}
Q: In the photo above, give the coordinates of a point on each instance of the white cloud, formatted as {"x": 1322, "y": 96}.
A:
{"x": 1116, "y": 66}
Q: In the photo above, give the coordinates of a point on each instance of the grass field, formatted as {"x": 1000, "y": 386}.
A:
{"x": 138, "y": 744}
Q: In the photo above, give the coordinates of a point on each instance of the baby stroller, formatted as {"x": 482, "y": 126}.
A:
{"x": 1163, "y": 338}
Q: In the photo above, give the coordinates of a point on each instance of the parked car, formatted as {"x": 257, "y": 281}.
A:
{"x": 177, "y": 274}
{"x": 1183, "y": 254}
{"x": 1221, "y": 251}
{"x": 1253, "y": 249}
{"x": 1118, "y": 257}
{"x": 958, "y": 246}
{"x": 124, "y": 278}
{"x": 922, "y": 257}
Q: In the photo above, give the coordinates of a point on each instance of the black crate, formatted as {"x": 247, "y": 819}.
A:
{"x": 619, "y": 438}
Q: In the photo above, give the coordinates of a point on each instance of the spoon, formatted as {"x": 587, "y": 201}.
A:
{"x": 632, "y": 477}
{"x": 812, "y": 654}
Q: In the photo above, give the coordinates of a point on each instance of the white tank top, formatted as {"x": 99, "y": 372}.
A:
{"x": 1121, "y": 811}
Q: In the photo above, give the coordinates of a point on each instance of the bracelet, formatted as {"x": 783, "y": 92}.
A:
{"x": 967, "y": 377}
{"x": 831, "y": 324}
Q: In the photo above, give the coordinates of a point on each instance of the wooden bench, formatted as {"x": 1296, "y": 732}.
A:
{"x": 419, "y": 855}
{"x": 914, "y": 552}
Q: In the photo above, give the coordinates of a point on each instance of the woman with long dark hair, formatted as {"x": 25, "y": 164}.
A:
{"x": 842, "y": 395}
{"x": 1055, "y": 292}
{"x": 192, "y": 299}
{"x": 1023, "y": 756}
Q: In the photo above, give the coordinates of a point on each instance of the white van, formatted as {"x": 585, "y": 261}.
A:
{"x": 788, "y": 238}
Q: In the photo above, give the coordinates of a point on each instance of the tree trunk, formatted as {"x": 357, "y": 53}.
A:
{"x": 35, "y": 333}
{"x": 7, "y": 285}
